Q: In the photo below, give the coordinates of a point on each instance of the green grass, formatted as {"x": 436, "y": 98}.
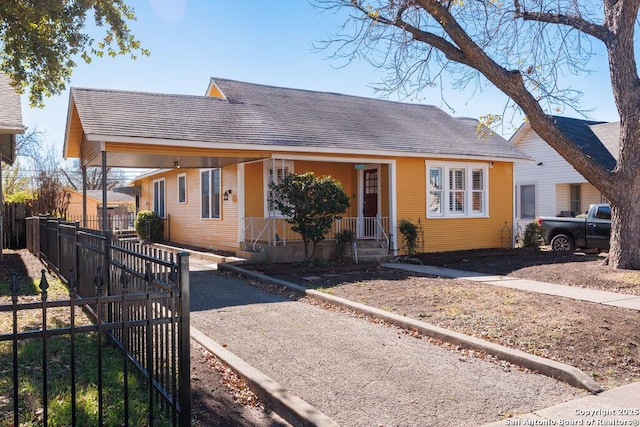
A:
{"x": 59, "y": 370}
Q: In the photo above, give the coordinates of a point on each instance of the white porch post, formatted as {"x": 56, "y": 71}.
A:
{"x": 241, "y": 204}
{"x": 84, "y": 196}
{"x": 105, "y": 226}
{"x": 393, "y": 207}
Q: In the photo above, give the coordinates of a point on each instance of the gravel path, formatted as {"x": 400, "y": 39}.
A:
{"x": 357, "y": 372}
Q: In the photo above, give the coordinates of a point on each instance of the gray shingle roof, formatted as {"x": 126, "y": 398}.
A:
{"x": 112, "y": 196}
{"x": 609, "y": 135}
{"x": 289, "y": 118}
{"x": 10, "y": 110}
{"x": 580, "y": 133}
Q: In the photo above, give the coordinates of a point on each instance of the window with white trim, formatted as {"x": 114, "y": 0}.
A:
{"x": 275, "y": 170}
{"x": 526, "y": 201}
{"x": 210, "y": 185}
{"x": 457, "y": 190}
{"x": 182, "y": 188}
{"x": 158, "y": 197}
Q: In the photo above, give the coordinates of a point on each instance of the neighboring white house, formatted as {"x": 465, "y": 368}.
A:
{"x": 549, "y": 186}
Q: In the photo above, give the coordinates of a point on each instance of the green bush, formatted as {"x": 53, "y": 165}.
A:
{"x": 310, "y": 205}
{"x": 409, "y": 233}
{"x": 532, "y": 237}
{"x": 344, "y": 239}
{"x": 149, "y": 226}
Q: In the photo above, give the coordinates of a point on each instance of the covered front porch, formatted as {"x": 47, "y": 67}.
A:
{"x": 368, "y": 182}
{"x": 272, "y": 239}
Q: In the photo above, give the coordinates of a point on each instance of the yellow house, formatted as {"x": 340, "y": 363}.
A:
{"x": 120, "y": 208}
{"x": 214, "y": 156}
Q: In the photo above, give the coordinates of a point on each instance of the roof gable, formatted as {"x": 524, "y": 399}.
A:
{"x": 580, "y": 133}
{"x": 585, "y": 134}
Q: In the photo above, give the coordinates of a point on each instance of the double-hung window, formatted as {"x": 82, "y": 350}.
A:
{"x": 182, "y": 188}
{"x": 158, "y": 197}
{"x": 210, "y": 193}
{"x": 457, "y": 190}
{"x": 275, "y": 170}
{"x": 526, "y": 201}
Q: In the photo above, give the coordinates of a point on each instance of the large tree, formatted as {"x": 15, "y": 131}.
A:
{"x": 523, "y": 48}
{"x": 41, "y": 40}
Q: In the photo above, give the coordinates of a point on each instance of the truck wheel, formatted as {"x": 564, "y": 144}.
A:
{"x": 562, "y": 243}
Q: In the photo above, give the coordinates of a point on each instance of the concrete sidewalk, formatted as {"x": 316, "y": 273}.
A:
{"x": 582, "y": 294}
{"x": 617, "y": 407}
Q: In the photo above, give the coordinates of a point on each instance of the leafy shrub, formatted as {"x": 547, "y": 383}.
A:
{"x": 344, "y": 239}
{"x": 310, "y": 205}
{"x": 409, "y": 233}
{"x": 148, "y": 226}
{"x": 532, "y": 237}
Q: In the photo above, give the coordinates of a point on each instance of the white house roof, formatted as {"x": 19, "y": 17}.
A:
{"x": 252, "y": 115}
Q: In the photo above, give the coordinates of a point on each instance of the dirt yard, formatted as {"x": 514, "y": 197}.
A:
{"x": 601, "y": 340}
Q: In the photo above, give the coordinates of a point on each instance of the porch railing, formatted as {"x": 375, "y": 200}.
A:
{"x": 261, "y": 231}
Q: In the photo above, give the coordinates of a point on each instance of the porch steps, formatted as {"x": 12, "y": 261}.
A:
{"x": 371, "y": 251}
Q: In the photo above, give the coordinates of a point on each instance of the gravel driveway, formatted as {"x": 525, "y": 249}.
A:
{"x": 357, "y": 372}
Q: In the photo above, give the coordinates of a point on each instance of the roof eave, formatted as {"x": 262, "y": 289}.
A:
{"x": 292, "y": 148}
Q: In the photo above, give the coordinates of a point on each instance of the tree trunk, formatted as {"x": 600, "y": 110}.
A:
{"x": 625, "y": 235}
{"x": 306, "y": 249}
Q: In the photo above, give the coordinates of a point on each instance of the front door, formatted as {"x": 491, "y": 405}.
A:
{"x": 370, "y": 202}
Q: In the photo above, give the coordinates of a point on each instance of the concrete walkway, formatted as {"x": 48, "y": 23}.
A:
{"x": 583, "y": 294}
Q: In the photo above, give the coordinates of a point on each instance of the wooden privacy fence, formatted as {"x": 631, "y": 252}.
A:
{"x": 14, "y": 225}
{"x": 139, "y": 299}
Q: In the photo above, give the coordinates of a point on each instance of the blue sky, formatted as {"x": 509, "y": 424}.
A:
{"x": 267, "y": 42}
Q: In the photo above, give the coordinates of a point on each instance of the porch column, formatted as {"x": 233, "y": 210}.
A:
{"x": 105, "y": 227}
{"x": 84, "y": 196}
{"x": 241, "y": 202}
{"x": 393, "y": 227}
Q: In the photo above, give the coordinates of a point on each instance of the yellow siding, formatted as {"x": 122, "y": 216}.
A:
{"x": 342, "y": 172}
{"x": 74, "y": 211}
{"x": 441, "y": 234}
{"x": 384, "y": 190}
{"x": 254, "y": 189}
{"x": 449, "y": 234}
{"x": 185, "y": 223}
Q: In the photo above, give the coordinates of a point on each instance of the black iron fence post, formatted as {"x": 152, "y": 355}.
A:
{"x": 45, "y": 397}
{"x": 184, "y": 370}
{"x": 14, "y": 300}
{"x": 72, "y": 313}
{"x": 99, "y": 284}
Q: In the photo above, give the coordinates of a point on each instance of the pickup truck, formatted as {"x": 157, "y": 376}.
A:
{"x": 569, "y": 234}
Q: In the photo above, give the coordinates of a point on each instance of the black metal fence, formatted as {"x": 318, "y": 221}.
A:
{"x": 139, "y": 299}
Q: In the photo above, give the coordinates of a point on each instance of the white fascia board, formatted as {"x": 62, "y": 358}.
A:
{"x": 287, "y": 148}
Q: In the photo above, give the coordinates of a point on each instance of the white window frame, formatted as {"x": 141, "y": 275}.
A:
{"x": 443, "y": 208}
{"x": 212, "y": 193}
{"x": 183, "y": 177}
{"x": 160, "y": 203}
{"x": 519, "y": 200}
{"x": 286, "y": 166}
